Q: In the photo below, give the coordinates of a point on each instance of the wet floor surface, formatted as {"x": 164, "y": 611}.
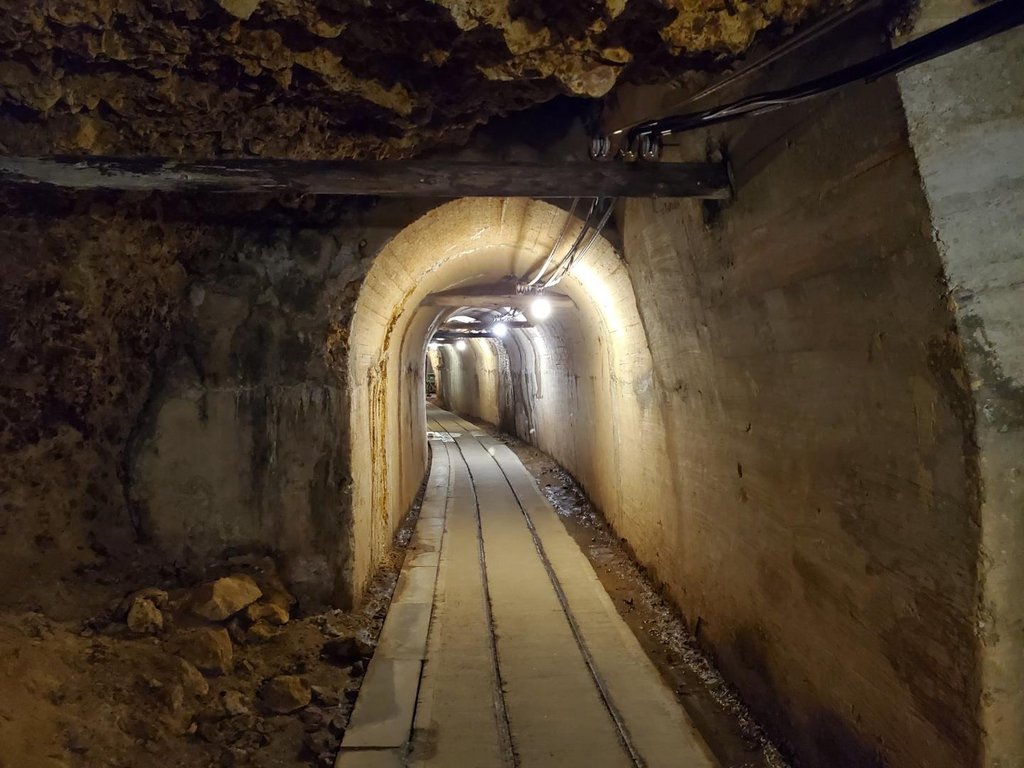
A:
{"x": 502, "y": 647}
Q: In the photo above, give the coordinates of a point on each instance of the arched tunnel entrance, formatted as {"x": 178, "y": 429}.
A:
{"x": 552, "y": 383}
{"x": 516, "y": 612}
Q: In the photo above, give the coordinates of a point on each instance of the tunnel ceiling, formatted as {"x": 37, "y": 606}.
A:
{"x": 344, "y": 78}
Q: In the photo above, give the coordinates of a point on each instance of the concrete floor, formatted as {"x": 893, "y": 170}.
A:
{"x": 501, "y": 647}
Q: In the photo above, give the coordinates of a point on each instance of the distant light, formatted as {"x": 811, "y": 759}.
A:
{"x": 541, "y": 308}
{"x": 460, "y": 345}
{"x": 462, "y": 319}
{"x": 500, "y": 330}
{"x": 433, "y": 345}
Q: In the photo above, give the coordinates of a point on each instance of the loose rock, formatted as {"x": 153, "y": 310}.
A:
{"x": 261, "y": 632}
{"x": 225, "y": 597}
{"x": 237, "y": 631}
{"x": 328, "y": 697}
{"x": 346, "y": 650}
{"x": 190, "y": 678}
{"x": 314, "y": 718}
{"x": 172, "y": 696}
{"x": 285, "y": 694}
{"x": 268, "y": 612}
{"x": 320, "y": 742}
{"x": 240, "y": 9}
{"x": 234, "y": 703}
{"x": 144, "y": 617}
{"x": 157, "y": 597}
{"x": 208, "y": 648}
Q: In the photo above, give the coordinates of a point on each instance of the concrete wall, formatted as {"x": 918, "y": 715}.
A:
{"x": 244, "y": 442}
{"x": 966, "y": 118}
{"x": 470, "y": 379}
{"x": 794, "y": 458}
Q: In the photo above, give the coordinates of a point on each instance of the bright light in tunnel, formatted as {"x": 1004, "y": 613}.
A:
{"x": 460, "y": 345}
{"x": 500, "y": 330}
{"x": 432, "y": 345}
{"x": 540, "y": 309}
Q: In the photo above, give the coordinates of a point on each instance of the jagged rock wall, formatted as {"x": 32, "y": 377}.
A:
{"x": 302, "y": 78}
{"x": 89, "y": 296}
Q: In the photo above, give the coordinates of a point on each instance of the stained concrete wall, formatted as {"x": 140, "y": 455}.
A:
{"x": 795, "y": 458}
{"x": 966, "y": 119}
{"x": 174, "y": 381}
{"x": 244, "y": 442}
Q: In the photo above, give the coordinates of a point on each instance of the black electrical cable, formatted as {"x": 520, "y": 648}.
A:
{"x": 1001, "y": 16}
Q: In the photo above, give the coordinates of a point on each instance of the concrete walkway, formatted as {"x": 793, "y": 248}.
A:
{"x": 501, "y": 647}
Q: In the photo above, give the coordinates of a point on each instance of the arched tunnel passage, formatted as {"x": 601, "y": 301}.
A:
{"x": 559, "y": 371}
{"x": 545, "y": 637}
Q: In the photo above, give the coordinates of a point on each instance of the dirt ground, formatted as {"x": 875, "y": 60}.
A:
{"x": 80, "y": 687}
{"x": 736, "y": 740}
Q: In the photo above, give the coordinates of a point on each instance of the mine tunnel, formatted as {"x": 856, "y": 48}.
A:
{"x": 512, "y": 384}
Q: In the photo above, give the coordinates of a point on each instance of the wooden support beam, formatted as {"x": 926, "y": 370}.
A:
{"x": 391, "y": 178}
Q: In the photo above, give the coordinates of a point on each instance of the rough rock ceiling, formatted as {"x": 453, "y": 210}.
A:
{"x": 333, "y": 78}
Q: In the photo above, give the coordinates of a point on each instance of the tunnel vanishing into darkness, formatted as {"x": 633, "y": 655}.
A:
{"x": 750, "y": 494}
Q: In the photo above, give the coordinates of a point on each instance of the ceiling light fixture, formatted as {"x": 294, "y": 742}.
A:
{"x": 500, "y": 330}
{"x": 460, "y": 345}
{"x": 540, "y": 309}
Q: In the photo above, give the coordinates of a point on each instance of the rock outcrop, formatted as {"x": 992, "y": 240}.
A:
{"x": 302, "y": 78}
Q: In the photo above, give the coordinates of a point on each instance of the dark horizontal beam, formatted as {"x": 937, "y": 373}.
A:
{"x": 391, "y": 178}
{"x": 447, "y": 299}
{"x": 452, "y": 325}
{"x": 442, "y": 338}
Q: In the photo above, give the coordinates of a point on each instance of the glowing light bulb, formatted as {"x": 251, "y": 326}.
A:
{"x": 541, "y": 308}
{"x": 500, "y": 330}
{"x": 460, "y": 345}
